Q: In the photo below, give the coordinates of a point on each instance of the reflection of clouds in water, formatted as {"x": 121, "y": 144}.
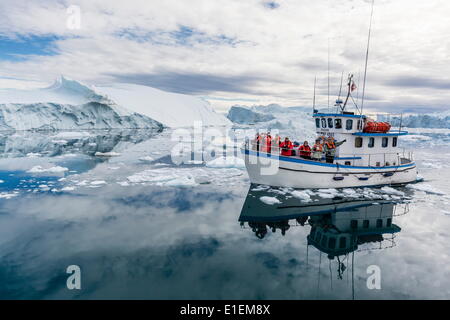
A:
{"x": 140, "y": 242}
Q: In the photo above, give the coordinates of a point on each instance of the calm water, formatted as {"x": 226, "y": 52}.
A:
{"x": 136, "y": 231}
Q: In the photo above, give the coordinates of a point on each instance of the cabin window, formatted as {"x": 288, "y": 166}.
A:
{"x": 371, "y": 142}
{"x": 358, "y": 142}
{"x": 359, "y": 125}
{"x": 366, "y": 224}
{"x": 338, "y": 123}
{"x": 384, "y": 142}
{"x": 388, "y": 222}
{"x": 313, "y": 232}
{"x": 354, "y": 224}
{"x": 318, "y": 235}
{"x": 324, "y": 123}
{"x": 394, "y": 141}
{"x": 379, "y": 223}
{"x": 332, "y": 243}
{"x": 324, "y": 241}
{"x": 342, "y": 242}
{"x": 348, "y": 163}
{"x": 349, "y": 124}
{"x": 317, "y": 123}
{"x": 330, "y": 123}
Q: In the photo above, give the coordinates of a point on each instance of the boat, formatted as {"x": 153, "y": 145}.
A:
{"x": 365, "y": 159}
{"x": 370, "y": 156}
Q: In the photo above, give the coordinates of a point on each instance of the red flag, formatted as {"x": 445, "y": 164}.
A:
{"x": 353, "y": 86}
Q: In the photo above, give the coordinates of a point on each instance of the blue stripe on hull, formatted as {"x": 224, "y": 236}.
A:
{"x": 316, "y": 163}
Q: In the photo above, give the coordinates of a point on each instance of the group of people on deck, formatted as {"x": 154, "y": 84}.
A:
{"x": 323, "y": 146}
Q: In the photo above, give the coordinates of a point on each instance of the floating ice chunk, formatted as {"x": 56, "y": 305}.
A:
{"x": 61, "y": 142}
{"x": 390, "y": 190}
{"x": 6, "y": 195}
{"x": 326, "y": 195}
{"x": 123, "y": 183}
{"x": 195, "y": 162}
{"x": 1, "y": 181}
{"x": 82, "y": 183}
{"x": 39, "y": 169}
{"x": 164, "y": 177}
{"x": 146, "y": 159}
{"x": 226, "y": 162}
{"x": 106, "y": 154}
{"x": 302, "y": 195}
{"x": 425, "y": 188}
{"x": 68, "y": 189}
{"x": 269, "y": 200}
{"x": 98, "y": 182}
{"x": 260, "y": 188}
{"x": 33, "y": 155}
{"x": 348, "y": 192}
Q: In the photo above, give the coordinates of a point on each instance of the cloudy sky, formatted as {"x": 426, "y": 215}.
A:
{"x": 235, "y": 52}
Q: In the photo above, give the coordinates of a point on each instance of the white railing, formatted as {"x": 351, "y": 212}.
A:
{"x": 367, "y": 159}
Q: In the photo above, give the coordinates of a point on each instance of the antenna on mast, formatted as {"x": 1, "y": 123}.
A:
{"x": 328, "y": 74}
{"x": 367, "y": 58}
{"x": 314, "y": 96}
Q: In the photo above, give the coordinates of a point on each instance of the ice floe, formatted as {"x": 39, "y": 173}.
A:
{"x": 40, "y": 169}
{"x": 269, "y": 200}
{"x": 226, "y": 162}
{"x": 107, "y": 154}
{"x": 425, "y": 188}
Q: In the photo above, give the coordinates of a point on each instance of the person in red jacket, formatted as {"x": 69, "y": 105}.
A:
{"x": 268, "y": 143}
{"x": 286, "y": 147}
{"x": 305, "y": 150}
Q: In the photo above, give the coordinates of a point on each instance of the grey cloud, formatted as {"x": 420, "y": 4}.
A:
{"x": 194, "y": 83}
{"x": 419, "y": 82}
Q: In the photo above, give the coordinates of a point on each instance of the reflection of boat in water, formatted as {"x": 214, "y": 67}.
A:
{"x": 337, "y": 227}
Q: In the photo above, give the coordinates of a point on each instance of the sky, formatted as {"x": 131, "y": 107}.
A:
{"x": 236, "y": 52}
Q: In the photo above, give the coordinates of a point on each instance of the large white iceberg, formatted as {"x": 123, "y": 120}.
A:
{"x": 69, "y": 104}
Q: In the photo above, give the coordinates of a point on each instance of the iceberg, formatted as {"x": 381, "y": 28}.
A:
{"x": 244, "y": 115}
{"x": 69, "y": 105}
{"x": 170, "y": 109}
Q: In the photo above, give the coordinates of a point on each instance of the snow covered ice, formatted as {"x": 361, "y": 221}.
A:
{"x": 69, "y": 104}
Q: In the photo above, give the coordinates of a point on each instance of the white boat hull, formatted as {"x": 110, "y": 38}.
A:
{"x": 281, "y": 171}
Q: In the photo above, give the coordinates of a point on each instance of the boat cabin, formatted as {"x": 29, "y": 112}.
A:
{"x": 362, "y": 147}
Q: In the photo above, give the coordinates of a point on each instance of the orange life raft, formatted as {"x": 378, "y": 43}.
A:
{"x": 376, "y": 127}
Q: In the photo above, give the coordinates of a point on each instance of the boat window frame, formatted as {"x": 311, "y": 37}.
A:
{"x": 359, "y": 145}
{"x": 342, "y": 242}
{"x": 371, "y": 145}
{"x": 349, "y": 124}
{"x": 330, "y": 123}
{"x": 323, "y": 122}
{"x": 389, "y": 222}
{"x": 383, "y": 144}
{"x": 379, "y": 223}
{"x": 338, "y": 123}
{"x": 366, "y": 224}
{"x": 360, "y": 124}
{"x": 332, "y": 242}
{"x": 318, "y": 123}
{"x": 324, "y": 240}
{"x": 394, "y": 141}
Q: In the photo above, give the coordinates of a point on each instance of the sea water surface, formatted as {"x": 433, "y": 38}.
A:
{"x": 140, "y": 227}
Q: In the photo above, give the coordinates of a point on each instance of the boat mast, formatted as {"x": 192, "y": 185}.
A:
{"x": 367, "y": 58}
{"x": 314, "y": 96}
{"x": 328, "y": 74}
